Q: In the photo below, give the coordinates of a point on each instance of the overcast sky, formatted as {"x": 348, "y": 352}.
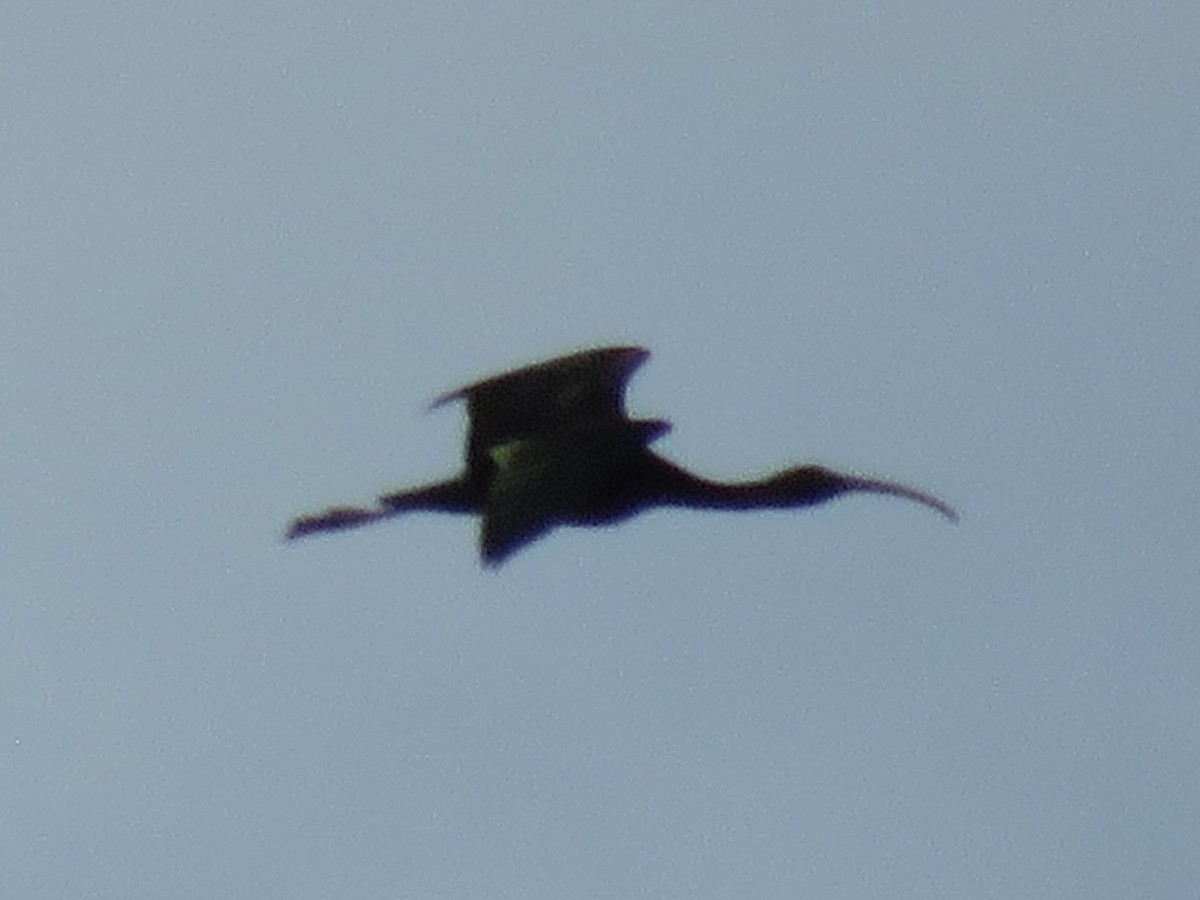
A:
{"x": 245, "y": 244}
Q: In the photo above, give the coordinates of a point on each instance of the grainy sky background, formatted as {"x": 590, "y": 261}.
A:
{"x": 244, "y": 244}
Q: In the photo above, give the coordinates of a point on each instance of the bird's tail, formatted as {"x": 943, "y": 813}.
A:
{"x": 445, "y": 496}
{"x": 337, "y": 518}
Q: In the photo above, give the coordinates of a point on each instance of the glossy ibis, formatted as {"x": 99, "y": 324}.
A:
{"x": 551, "y": 444}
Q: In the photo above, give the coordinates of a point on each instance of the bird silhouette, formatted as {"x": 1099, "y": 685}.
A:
{"x": 550, "y": 444}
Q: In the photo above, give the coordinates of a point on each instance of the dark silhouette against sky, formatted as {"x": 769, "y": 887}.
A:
{"x": 550, "y": 444}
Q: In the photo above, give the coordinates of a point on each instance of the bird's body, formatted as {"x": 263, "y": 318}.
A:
{"x": 551, "y": 445}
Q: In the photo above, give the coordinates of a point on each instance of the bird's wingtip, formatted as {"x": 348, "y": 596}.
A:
{"x": 448, "y": 397}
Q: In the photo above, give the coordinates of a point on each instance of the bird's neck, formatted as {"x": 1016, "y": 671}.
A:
{"x": 677, "y": 487}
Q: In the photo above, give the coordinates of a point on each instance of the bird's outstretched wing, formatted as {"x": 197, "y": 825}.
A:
{"x": 546, "y": 480}
{"x": 539, "y": 399}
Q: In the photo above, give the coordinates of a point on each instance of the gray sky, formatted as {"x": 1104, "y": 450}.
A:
{"x": 244, "y": 244}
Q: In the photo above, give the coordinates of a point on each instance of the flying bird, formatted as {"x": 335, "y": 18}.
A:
{"x": 551, "y": 444}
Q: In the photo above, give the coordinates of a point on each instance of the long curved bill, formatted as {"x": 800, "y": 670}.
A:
{"x": 891, "y": 488}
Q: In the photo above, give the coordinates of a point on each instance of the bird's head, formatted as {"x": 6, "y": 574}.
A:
{"x": 816, "y": 484}
{"x": 808, "y": 484}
